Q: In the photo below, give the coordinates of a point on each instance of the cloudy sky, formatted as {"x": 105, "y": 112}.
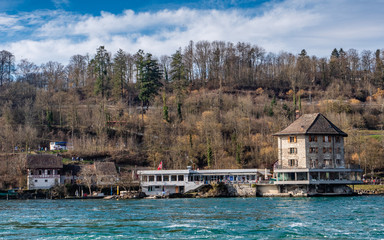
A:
{"x": 44, "y": 30}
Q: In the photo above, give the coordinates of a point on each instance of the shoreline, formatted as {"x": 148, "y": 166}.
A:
{"x": 137, "y": 197}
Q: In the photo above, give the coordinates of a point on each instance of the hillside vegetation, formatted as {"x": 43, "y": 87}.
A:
{"x": 210, "y": 104}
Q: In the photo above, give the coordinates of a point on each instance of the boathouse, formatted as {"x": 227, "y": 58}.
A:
{"x": 311, "y": 158}
{"x": 43, "y": 171}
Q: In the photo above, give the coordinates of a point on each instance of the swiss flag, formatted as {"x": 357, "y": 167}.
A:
{"x": 160, "y": 166}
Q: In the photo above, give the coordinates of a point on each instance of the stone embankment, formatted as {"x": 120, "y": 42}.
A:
{"x": 225, "y": 190}
{"x": 369, "y": 189}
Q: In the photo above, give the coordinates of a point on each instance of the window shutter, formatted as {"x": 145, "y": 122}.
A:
{"x": 295, "y": 139}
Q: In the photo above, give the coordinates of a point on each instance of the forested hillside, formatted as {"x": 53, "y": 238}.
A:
{"x": 212, "y": 104}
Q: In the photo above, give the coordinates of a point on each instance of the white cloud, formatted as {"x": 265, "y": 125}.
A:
{"x": 9, "y": 23}
{"x": 317, "y": 26}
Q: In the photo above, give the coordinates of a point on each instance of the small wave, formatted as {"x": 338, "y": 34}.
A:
{"x": 179, "y": 225}
{"x": 299, "y": 224}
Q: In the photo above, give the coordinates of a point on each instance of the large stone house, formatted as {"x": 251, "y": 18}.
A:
{"x": 311, "y": 158}
{"x": 43, "y": 171}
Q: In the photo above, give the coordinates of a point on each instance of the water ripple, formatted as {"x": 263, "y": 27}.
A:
{"x": 227, "y": 218}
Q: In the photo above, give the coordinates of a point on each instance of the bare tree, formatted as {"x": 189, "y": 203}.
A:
{"x": 77, "y": 71}
{"x": 87, "y": 176}
{"x": 126, "y": 179}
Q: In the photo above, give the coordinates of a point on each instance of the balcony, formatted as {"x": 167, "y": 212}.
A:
{"x": 44, "y": 176}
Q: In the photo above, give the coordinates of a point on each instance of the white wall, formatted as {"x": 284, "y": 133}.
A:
{"x": 42, "y": 183}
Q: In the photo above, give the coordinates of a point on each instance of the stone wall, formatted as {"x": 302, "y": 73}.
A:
{"x": 241, "y": 190}
{"x": 285, "y": 155}
{"x": 304, "y": 156}
{"x": 321, "y": 155}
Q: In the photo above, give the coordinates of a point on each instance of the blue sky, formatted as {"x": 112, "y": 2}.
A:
{"x": 116, "y": 6}
{"x": 55, "y": 30}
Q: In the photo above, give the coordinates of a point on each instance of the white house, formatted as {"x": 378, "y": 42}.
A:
{"x": 43, "y": 171}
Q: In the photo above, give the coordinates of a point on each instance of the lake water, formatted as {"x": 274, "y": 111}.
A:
{"x": 218, "y": 218}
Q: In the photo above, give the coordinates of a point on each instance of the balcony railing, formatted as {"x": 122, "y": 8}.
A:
{"x": 328, "y": 166}
{"x": 44, "y": 176}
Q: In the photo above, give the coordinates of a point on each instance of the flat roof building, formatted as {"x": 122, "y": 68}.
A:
{"x": 165, "y": 182}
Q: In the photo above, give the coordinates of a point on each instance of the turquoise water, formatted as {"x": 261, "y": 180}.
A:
{"x": 219, "y": 218}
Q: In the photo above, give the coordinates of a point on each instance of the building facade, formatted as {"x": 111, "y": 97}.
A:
{"x": 311, "y": 158}
{"x": 310, "y": 162}
{"x": 43, "y": 171}
{"x": 165, "y": 182}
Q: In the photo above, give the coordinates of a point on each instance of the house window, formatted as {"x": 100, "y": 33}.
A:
{"x": 312, "y": 138}
{"x": 149, "y": 188}
{"x": 145, "y": 178}
{"x": 313, "y": 150}
{"x": 158, "y": 178}
{"x": 181, "y": 177}
{"x": 337, "y": 139}
{"x": 46, "y": 180}
{"x": 173, "y": 178}
{"x": 49, "y": 172}
{"x": 314, "y": 163}
{"x": 39, "y": 172}
{"x": 326, "y": 138}
{"x": 35, "y": 180}
{"x": 292, "y": 150}
{"x": 325, "y": 150}
{"x": 327, "y": 162}
{"x": 338, "y": 150}
{"x": 292, "y": 162}
{"x": 292, "y": 139}
{"x": 338, "y": 162}
{"x": 151, "y": 178}
{"x": 166, "y": 178}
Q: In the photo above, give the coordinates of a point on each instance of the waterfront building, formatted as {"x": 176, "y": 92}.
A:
{"x": 165, "y": 182}
{"x": 43, "y": 171}
{"x": 106, "y": 174}
{"x": 310, "y": 162}
{"x": 311, "y": 158}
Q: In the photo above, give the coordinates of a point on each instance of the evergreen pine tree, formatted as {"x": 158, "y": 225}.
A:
{"x": 119, "y": 74}
{"x": 148, "y": 79}
{"x": 179, "y": 80}
{"x": 101, "y": 64}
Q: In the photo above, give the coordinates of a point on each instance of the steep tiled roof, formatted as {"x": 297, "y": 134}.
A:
{"x": 105, "y": 168}
{"x": 44, "y": 161}
{"x": 314, "y": 123}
